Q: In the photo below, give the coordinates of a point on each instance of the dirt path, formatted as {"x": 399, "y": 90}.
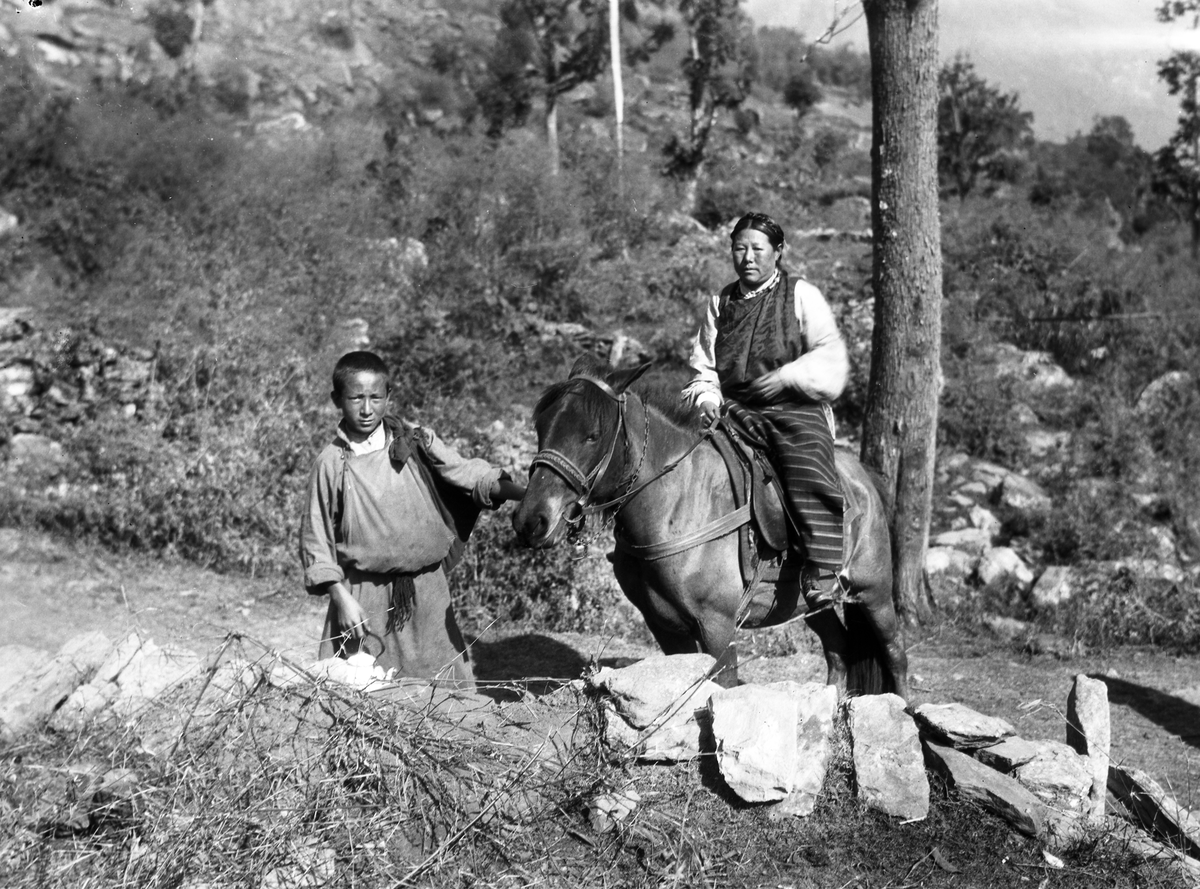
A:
{"x": 51, "y": 590}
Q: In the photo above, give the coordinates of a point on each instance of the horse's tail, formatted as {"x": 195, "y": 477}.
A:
{"x": 866, "y": 672}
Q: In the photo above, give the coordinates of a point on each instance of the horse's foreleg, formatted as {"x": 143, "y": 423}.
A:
{"x": 718, "y": 641}
{"x": 834, "y": 642}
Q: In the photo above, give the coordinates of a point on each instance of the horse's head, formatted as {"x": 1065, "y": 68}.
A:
{"x": 580, "y": 426}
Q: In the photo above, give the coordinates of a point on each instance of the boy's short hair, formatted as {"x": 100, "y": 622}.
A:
{"x": 358, "y": 362}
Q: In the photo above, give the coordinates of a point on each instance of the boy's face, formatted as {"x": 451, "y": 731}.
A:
{"x": 362, "y": 401}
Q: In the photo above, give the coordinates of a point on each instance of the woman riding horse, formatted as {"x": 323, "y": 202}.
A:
{"x": 769, "y": 354}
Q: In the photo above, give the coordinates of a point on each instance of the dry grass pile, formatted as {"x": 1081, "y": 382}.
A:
{"x": 257, "y": 774}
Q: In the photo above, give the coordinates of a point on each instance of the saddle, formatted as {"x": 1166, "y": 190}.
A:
{"x": 765, "y": 538}
{"x": 754, "y": 481}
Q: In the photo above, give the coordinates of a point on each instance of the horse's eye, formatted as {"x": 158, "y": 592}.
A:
{"x": 592, "y": 437}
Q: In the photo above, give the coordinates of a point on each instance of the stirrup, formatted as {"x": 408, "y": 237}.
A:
{"x": 823, "y": 600}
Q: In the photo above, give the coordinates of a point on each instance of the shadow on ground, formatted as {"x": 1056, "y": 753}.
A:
{"x": 533, "y": 662}
{"x": 1173, "y": 714}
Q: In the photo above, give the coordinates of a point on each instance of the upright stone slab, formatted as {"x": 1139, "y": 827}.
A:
{"x": 1089, "y": 732}
{"x": 997, "y": 793}
{"x": 888, "y": 765}
{"x": 754, "y": 728}
{"x": 816, "y": 706}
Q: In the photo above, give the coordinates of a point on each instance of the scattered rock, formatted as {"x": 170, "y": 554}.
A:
{"x": 1008, "y": 628}
{"x": 976, "y": 541}
{"x": 1166, "y": 394}
{"x": 960, "y": 726}
{"x": 1032, "y": 373}
{"x": 1054, "y": 586}
{"x": 1154, "y": 809}
{"x": 8, "y": 223}
{"x": 1089, "y": 733}
{"x": 984, "y": 520}
{"x": 312, "y": 863}
{"x": 1020, "y": 493}
{"x": 1002, "y": 565}
{"x": 995, "y": 792}
{"x": 608, "y": 810}
{"x": 947, "y": 570}
{"x": 888, "y": 766}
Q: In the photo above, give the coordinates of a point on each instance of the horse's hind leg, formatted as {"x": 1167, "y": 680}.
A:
{"x": 835, "y": 644}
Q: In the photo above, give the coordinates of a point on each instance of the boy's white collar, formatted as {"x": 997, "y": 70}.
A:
{"x": 376, "y": 441}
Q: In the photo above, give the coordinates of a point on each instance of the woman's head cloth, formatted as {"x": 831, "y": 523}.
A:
{"x": 763, "y": 223}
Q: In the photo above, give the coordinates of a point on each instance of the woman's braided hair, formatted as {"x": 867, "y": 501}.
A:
{"x": 760, "y": 222}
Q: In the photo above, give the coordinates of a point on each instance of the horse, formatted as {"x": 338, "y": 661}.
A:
{"x": 603, "y": 448}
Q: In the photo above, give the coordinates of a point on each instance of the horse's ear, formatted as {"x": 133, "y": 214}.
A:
{"x": 587, "y": 365}
{"x": 622, "y": 380}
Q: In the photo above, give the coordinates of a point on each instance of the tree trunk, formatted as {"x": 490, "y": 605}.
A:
{"x": 552, "y": 130}
{"x": 614, "y": 41}
{"x": 900, "y": 425}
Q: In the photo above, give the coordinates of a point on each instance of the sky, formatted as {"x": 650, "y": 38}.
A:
{"x": 1069, "y": 61}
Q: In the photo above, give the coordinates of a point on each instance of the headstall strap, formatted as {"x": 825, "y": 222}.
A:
{"x": 562, "y": 464}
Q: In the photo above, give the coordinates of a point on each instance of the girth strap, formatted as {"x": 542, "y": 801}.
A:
{"x": 719, "y": 528}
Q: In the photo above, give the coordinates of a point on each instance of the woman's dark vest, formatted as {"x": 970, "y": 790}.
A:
{"x": 757, "y": 335}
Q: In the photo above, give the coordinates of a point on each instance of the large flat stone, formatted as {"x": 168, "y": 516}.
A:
{"x": 997, "y": 793}
{"x": 1008, "y": 754}
{"x": 816, "y": 706}
{"x": 645, "y": 693}
{"x": 654, "y": 706}
{"x": 888, "y": 766}
{"x": 754, "y": 728}
{"x": 44, "y": 688}
{"x": 1059, "y": 776}
{"x": 960, "y": 726}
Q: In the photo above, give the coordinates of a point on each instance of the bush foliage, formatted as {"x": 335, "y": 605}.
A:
{"x": 246, "y": 263}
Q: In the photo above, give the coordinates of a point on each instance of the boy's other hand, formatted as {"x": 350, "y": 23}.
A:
{"x": 351, "y": 617}
{"x": 507, "y": 490}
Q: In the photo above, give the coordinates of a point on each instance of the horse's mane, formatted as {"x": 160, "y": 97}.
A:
{"x": 658, "y": 394}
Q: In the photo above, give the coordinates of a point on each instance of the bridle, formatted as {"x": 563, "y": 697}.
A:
{"x": 583, "y": 484}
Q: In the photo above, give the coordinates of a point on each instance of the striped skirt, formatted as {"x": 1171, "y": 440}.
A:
{"x": 799, "y": 439}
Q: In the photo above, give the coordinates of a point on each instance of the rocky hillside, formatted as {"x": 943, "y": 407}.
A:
{"x": 259, "y": 59}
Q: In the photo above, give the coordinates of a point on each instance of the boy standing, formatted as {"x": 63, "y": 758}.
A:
{"x": 390, "y": 506}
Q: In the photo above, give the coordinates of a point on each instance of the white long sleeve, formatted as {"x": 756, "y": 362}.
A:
{"x": 819, "y": 374}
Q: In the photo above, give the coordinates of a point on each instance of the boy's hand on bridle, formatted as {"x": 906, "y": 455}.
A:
{"x": 351, "y": 617}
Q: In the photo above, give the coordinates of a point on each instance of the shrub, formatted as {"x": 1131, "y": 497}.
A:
{"x": 172, "y": 27}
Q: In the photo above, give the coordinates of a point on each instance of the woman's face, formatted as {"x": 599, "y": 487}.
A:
{"x": 754, "y": 259}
